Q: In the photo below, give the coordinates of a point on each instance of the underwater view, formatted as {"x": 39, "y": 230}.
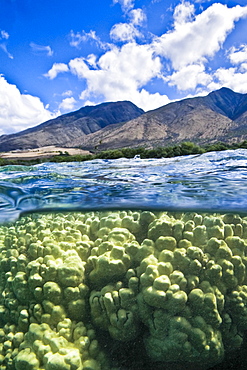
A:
{"x": 124, "y": 264}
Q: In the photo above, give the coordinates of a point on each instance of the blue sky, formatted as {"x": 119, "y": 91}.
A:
{"x": 59, "y": 55}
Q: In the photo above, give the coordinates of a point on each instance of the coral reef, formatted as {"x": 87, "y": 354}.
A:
{"x": 177, "y": 281}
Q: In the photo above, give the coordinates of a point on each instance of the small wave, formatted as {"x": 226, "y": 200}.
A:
{"x": 214, "y": 181}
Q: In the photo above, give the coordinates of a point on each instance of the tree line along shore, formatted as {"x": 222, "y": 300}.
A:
{"x": 185, "y": 148}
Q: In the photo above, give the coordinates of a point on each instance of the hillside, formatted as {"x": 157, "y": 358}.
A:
{"x": 63, "y": 130}
{"x": 219, "y": 116}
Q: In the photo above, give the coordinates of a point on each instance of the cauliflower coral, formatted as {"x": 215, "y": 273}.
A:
{"x": 177, "y": 282}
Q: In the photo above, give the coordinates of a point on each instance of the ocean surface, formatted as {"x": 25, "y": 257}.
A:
{"x": 214, "y": 181}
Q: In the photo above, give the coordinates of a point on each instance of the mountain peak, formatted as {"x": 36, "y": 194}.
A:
{"x": 224, "y": 90}
{"x": 228, "y": 102}
{"x": 63, "y": 130}
{"x": 110, "y": 112}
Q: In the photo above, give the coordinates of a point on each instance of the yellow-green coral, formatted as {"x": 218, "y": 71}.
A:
{"x": 176, "y": 281}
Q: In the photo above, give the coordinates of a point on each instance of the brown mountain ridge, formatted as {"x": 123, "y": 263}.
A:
{"x": 219, "y": 116}
{"x": 65, "y": 129}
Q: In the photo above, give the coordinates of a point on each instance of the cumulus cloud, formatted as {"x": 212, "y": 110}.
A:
{"x": 126, "y": 5}
{"x": 41, "y": 49}
{"x": 19, "y": 111}
{"x": 68, "y": 104}
{"x": 189, "y": 77}
{"x": 193, "y": 41}
{"x": 128, "y": 31}
{"x": 56, "y": 69}
{"x": 137, "y": 16}
{"x": 118, "y": 75}
{"x": 183, "y": 13}
{"x": 180, "y": 57}
{"x": 92, "y": 60}
{"x": 148, "y": 101}
{"x": 238, "y": 55}
{"x": 124, "y": 32}
{"x": 232, "y": 77}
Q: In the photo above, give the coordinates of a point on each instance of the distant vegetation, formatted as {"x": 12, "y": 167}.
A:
{"x": 184, "y": 148}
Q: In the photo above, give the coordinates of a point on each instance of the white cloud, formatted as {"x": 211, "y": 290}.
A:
{"x": 68, "y": 104}
{"x": 132, "y": 62}
{"x": 88, "y": 102}
{"x": 128, "y": 32}
{"x": 19, "y": 111}
{"x": 4, "y": 35}
{"x": 67, "y": 93}
{"x": 56, "y": 69}
{"x": 126, "y": 5}
{"x": 183, "y": 13}
{"x": 92, "y": 60}
{"x": 238, "y": 55}
{"x": 234, "y": 77}
{"x": 4, "y": 48}
{"x": 148, "y": 101}
{"x": 179, "y": 56}
{"x": 78, "y": 38}
{"x": 137, "y": 16}
{"x": 41, "y": 49}
{"x": 230, "y": 77}
{"x": 121, "y": 74}
{"x": 243, "y": 67}
{"x": 81, "y": 37}
{"x": 194, "y": 41}
{"x": 124, "y": 32}
{"x": 189, "y": 77}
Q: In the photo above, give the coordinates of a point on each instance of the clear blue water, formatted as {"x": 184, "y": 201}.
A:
{"x": 214, "y": 181}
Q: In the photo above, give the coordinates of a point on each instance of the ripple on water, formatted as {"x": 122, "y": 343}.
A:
{"x": 214, "y": 181}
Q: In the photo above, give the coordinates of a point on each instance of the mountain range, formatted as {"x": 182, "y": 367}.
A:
{"x": 68, "y": 128}
{"x": 219, "y": 116}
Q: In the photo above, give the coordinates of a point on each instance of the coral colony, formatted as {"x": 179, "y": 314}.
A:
{"x": 178, "y": 281}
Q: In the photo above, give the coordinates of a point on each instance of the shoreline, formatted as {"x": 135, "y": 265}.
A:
{"x": 63, "y": 154}
{"x": 42, "y": 152}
